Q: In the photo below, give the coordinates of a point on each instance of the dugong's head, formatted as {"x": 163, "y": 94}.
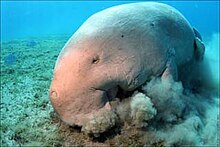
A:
{"x": 87, "y": 76}
{"x": 90, "y": 69}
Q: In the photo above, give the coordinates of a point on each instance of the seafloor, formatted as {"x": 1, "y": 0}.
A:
{"x": 27, "y": 117}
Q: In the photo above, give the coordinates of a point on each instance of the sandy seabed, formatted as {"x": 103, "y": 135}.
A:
{"x": 27, "y": 117}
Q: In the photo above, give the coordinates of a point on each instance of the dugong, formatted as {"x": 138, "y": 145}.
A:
{"x": 116, "y": 51}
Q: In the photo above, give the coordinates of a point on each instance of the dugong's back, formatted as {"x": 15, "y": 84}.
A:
{"x": 150, "y": 30}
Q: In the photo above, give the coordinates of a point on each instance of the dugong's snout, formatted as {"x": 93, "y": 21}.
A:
{"x": 76, "y": 106}
{"x": 73, "y": 109}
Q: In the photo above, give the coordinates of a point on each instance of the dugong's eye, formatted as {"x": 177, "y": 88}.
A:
{"x": 95, "y": 59}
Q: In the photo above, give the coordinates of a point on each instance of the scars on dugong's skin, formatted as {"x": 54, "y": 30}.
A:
{"x": 119, "y": 49}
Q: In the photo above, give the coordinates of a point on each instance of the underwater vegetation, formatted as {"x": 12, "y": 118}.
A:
{"x": 25, "y": 109}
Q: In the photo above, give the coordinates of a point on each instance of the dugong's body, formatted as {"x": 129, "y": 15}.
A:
{"x": 119, "y": 48}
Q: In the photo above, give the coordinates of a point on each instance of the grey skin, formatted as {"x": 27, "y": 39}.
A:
{"x": 122, "y": 46}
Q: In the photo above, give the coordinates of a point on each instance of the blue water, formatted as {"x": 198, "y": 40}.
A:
{"x": 35, "y": 19}
{"x": 27, "y": 69}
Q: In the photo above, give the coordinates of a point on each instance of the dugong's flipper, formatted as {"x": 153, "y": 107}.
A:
{"x": 199, "y": 46}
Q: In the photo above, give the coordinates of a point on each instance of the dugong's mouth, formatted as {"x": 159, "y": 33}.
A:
{"x": 78, "y": 108}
